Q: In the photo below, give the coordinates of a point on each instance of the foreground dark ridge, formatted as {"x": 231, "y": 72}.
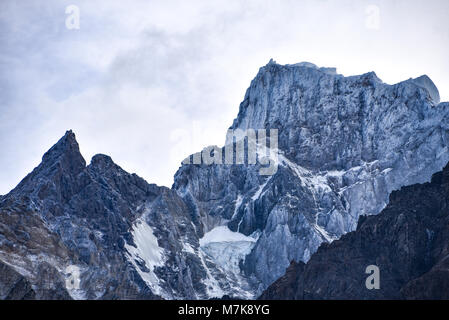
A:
{"x": 408, "y": 241}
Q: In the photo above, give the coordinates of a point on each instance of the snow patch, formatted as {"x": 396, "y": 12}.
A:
{"x": 72, "y": 277}
{"x": 223, "y": 234}
{"x": 238, "y": 203}
{"x": 213, "y": 288}
{"x": 146, "y": 255}
{"x": 226, "y": 249}
{"x": 258, "y": 193}
{"x": 186, "y": 247}
{"x": 315, "y": 183}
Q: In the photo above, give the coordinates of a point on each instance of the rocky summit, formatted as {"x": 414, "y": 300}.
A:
{"x": 97, "y": 232}
{"x": 345, "y": 143}
{"x": 72, "y": 230}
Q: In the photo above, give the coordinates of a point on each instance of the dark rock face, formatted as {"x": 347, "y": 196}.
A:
{"x": 408, "y": 242}
{"x": 13, "y": 285}
{"x": 128, "y": 239}
{"x": 63, "y": 214}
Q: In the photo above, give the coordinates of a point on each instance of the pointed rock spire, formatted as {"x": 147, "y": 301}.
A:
{"x": 66, "y": 151}
{"x": 62, "y": 160}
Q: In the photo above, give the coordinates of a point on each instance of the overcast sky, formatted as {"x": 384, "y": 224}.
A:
{"x": 149, "y": 82}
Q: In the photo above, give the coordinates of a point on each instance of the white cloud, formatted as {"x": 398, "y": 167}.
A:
{"x": 138, "y": 74}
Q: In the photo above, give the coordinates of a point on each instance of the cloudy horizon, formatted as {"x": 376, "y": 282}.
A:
{"x": 150, "y": 82}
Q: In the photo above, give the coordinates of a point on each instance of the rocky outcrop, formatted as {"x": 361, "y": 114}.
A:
{"x": 98, "y": 221}
{"x": 408, "y": 242}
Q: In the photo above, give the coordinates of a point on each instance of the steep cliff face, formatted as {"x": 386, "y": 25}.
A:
{"x": 344, "y": 144}
{"x": 14, "y": 286}
{"x": 408, "y": 241}
{"x": 120, "y": 237}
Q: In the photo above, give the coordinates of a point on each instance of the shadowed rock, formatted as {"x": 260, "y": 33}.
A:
{"x": 408, "y": 241}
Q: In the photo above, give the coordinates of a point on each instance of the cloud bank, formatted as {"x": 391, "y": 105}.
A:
{"x": 149, "y": 82}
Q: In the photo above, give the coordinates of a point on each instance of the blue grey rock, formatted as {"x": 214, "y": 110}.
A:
{"x": 344, "y": 144}
{"x": 67, "y": 215}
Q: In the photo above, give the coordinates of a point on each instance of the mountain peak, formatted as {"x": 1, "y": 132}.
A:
{"x": 64, "y": 156}
{"x": 104, "y": 165}
{"x": 66, "y": 150}
{"x": 102, "y": 162}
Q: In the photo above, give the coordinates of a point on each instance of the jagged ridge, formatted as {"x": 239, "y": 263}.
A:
{"x": 344, "y": 144}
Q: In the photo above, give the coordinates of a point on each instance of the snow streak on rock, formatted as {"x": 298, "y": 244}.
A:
{"x": 146, "y": 255}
